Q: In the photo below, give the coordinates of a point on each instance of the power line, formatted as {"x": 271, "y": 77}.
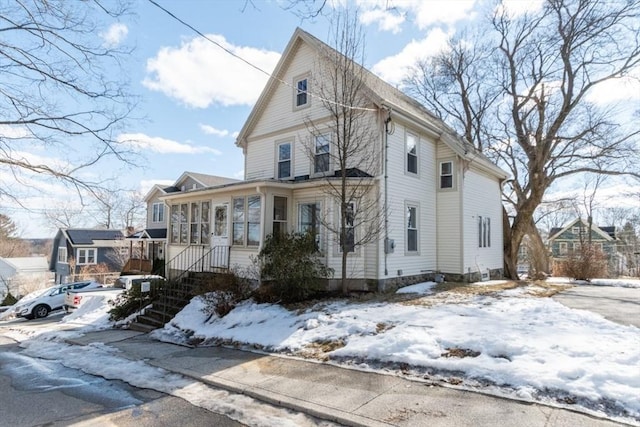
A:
{"x": 271, "y": 76}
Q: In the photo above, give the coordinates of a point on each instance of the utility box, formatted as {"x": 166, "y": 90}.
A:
{"x": 389, "y": 246}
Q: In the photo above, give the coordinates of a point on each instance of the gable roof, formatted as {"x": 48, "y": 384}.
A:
{"x": 381, "y": 93}
{"x": 78, "y": 236}
{"x": 203, "y": 179}
{"x": 607, "y": 233}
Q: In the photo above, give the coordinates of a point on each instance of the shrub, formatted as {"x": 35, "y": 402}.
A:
{"x": 290, "y": 268}
{"x": 9, "y": 299}
{"x": 584, "y": 264}
{"x": 222, "y": 292}
{"x": 133, "y": 300}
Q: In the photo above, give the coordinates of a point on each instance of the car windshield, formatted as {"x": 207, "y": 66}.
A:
{"x": 37, "y": 294}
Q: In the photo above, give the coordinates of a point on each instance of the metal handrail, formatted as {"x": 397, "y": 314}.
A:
{"x": 176, "y": 286}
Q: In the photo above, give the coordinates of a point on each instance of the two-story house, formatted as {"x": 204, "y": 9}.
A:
{"x": 440, "y": 198}
{"x": 97, "y": 250}
{"x": 570, "y": 239}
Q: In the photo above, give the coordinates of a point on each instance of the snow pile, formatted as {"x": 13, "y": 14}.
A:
{"x": 532, "y": 348}
{"x": 93, "y": 313}
{"x": 425, "y": 288}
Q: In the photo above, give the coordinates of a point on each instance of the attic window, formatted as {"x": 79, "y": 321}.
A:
{"x": 301, "y": 91}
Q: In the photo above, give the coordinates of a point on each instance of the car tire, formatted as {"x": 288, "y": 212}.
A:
{"x": 40, "y": 311}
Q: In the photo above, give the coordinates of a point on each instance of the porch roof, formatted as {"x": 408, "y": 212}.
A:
{"x": 149, "y": 234}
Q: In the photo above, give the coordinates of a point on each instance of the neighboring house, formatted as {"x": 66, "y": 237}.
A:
{"x": 23, "y": 275}
{"x": 148, "y": 246}
{"x": 443, "y": 198}
{"x": 571, "y": 238}
{"x": 78, "y": 250}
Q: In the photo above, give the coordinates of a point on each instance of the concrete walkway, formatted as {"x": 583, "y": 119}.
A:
{"x": 345, "y": 396}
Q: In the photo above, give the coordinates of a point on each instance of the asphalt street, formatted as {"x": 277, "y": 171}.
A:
{"x": 620, "y": 305}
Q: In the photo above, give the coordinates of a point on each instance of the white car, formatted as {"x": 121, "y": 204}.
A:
{"x": 40, "y": 304}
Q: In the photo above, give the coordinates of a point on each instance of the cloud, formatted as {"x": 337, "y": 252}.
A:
{"x": 14, "y": 132}
{"x": 200, "y": 74}
{"x": 387, "y": 20}
{"x": 515, "y": 8}
{"x": 394, "y": 68}
{"x": 616, "y": 90}
{"x": 425, "y": 13}
{"x": 141, "y": 142}
{"x": 115, "y": 34}
{"x": 210, "y": 130}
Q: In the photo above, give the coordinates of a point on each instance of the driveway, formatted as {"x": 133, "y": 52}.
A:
{"x": 620, "y": 305}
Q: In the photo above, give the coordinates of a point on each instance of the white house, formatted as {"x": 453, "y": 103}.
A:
{"x": 23, "y": 275}
{"x": 440, "y": 198}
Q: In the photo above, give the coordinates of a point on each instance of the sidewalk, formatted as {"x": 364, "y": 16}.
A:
{"x": 345, "y": 396}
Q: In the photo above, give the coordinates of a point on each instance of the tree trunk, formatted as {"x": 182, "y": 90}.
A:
{"x": 538, "y": 253}
{"x": 510, "y": 262}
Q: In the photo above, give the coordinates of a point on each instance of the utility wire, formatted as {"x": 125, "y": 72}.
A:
{"x": 271, "y": 76}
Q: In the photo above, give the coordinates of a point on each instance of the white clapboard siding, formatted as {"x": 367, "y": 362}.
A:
{"x": 482, "y": 198}
{"x": 419, "y": 190}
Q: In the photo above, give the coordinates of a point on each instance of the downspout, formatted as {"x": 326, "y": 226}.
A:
{"x": 263, "y": 214}
{"x": 386, "y": 188}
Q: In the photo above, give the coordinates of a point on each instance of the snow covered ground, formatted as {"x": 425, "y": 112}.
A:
{"x": 506, "y": 342}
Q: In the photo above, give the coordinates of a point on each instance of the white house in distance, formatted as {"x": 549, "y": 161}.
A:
{"x": 23, "y": 275}
{"x": 441, "y": 197}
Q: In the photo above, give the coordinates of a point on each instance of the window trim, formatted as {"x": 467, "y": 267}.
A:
{"x": 412, "y": 205}
{"x": 349, "y": 227}
{"x": 281, "y": 221}
{"x": 245, "y": 221}
{"x": 296, "y": 91}
{"x": 279, "y": 161}
{"x": 563, "y": 248}
{"x": 407, "y": 153}
{"x": 327, "y": 137}
{"x": 61, "y": 259}
{"x": 318, "y": 209}
{"x": 86, "y": 256}
{"x": 441, "y": 175}
{"x": 484, "y": 231}
{"x": 157, "y": 216}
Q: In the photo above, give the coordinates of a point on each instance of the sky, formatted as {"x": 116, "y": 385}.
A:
{"x": 519, "y": 344}
{"x": 194, "y": 96}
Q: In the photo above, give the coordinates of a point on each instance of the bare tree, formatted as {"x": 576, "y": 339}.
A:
{"x": 66, "y": 215}
{"x": 61, "y": 88}
{"x": 542, "y": 125}
{"x": 10, "y": 244}
{"x": 344, "y": 141}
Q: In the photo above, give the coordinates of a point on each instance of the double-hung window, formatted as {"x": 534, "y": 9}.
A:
{"x": 348, "y": 242}
{"x": 279, "y": 215}
{"x": 62, "y": 255}
{"x": 158, "y": 212}
{"x": 446, "y": 175}
{"x": 86, "y": 256}
{"x": 284, "y": 160}
{"x": 322, "y": 150}
{"x": 246, "y": 221}
{"x": 411, "y": 142}
{"x": 301, "y": 92}
{"x": 309, "y": 221}
{"x": 180, "y": 224}
{"x": 199, "y": 223}
{"x": 412, "y": 228}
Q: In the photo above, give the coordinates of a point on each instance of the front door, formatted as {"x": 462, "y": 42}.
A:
{"x": 220, "y": 238}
